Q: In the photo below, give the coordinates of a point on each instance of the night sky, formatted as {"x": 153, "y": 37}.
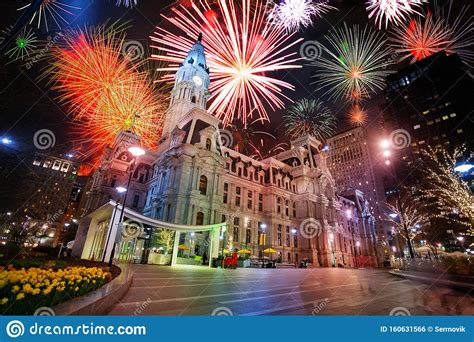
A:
{"x": 27, "y": 104}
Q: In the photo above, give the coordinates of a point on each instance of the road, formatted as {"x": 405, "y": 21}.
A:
{"x": 195, "y": 290}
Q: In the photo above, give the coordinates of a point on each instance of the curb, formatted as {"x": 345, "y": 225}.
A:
{"x": 438, "y": 281}
{"x": 100, "y": 301}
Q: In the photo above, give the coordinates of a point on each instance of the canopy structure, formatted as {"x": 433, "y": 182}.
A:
{"x": 107, "y": 217}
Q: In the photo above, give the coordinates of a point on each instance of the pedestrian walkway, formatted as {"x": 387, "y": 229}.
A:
{"x": 191, "y": 290}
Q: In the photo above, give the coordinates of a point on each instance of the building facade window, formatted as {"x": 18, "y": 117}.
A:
{"x": 226, "y": 193}
{"x": 203, "y": 185}
{"x": 199, "y": 218}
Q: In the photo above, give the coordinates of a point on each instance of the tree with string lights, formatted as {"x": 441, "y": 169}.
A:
{"x": 444, "y": 194}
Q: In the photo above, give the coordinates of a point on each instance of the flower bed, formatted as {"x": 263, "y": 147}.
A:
{"x": 25, "y": 290}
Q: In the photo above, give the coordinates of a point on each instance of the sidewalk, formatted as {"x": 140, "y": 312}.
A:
{"x": 463, "y": 283}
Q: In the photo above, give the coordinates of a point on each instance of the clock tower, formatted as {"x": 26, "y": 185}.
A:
{"x": 191, "y": 88}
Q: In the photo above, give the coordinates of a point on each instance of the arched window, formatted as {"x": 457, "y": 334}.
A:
{"x": 193, "y": 99}
{"x": 203, "y": 185}
{"x": 208, "y": 144}
{"x": 199, "y": 219}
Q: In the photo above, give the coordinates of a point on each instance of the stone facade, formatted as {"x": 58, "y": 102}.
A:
{"x": 287, "y": 202}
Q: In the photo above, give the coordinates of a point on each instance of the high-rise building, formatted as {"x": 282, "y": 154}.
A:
{"x": 351, "y": 163}
{"x": 431, "y": 100}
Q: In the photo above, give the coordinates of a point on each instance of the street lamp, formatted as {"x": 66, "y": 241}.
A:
{"x": 331, "y": 244}
{"x": 263, "y": 226}
{"x": 293, "y": 232}
{"x": 136, "y": 152}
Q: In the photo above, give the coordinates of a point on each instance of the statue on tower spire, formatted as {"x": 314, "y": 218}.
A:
{"x": 200, "y": 37}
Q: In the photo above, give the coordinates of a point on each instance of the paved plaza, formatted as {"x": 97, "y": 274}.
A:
{"x": 194, "y": 290}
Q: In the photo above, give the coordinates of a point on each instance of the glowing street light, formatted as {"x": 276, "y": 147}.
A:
{"x": 6, "y": 141}
{"x": 393, "y": 215}
{"x": 121, "y": 189}
{"x": 385, "y": 143}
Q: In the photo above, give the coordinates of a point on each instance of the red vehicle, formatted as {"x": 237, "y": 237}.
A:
{"x": 231, "y": 262}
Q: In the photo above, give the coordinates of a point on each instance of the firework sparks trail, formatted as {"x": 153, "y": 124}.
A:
{"x": 309, "y": 116}
{"x": 357, "y": 115}
{"x": 294, "y": 15}
{"x": 105, "y": 93}
{"x": 394, "y": 11}
{"x": 56, "y": 10}
{"x": 126, "y": 3}
{"x": 422, "y": 37}
{"x": 355, "y": 63}
{"x": 241, "y": 47}
{"x": 25, "y": 43}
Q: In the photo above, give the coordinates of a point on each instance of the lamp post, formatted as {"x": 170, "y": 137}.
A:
{"x": 331, "y": 244}
{"x": 136, "y": 152}
{"x": 357, "y": 246}
{"x": 293, "y": 232}
{"x": 263, "y": 226}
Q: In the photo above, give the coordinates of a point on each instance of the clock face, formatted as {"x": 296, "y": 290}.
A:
{"x": 197, "y": 80}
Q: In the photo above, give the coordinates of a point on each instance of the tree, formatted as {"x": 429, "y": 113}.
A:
{"x": 405, "y": 215}
{"x": 165, "y": 238}
{"x": 442, "y": 190}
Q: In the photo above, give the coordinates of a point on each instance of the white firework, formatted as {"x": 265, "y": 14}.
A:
{"x": 56, "y": 10}
{"x": 393, "y": 11}
{"x": 296, "y": 14}
{"x": 127, "y": 3}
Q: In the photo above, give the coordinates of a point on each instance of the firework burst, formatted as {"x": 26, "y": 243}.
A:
{"x": 308, "y": 116}
{"x": 357, "y": 115}
{"x": 25, "y": 43}
{"x": 241, "y": 48}
{"x": 127, "y": 3}
{"x": 394, "y": 11}
{"x": 294, "y": 15}
{"x": 55, "y": 10}
{"x": 354, "y": 64}
{"x": 104, "y": 92}
{"x": 422, "y": 37}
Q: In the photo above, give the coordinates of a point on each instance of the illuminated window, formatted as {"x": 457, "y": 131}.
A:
{"x": 416, "y": 127}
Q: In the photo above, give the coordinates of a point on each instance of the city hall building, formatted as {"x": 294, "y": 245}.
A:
{"x": 193, "y": 198}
